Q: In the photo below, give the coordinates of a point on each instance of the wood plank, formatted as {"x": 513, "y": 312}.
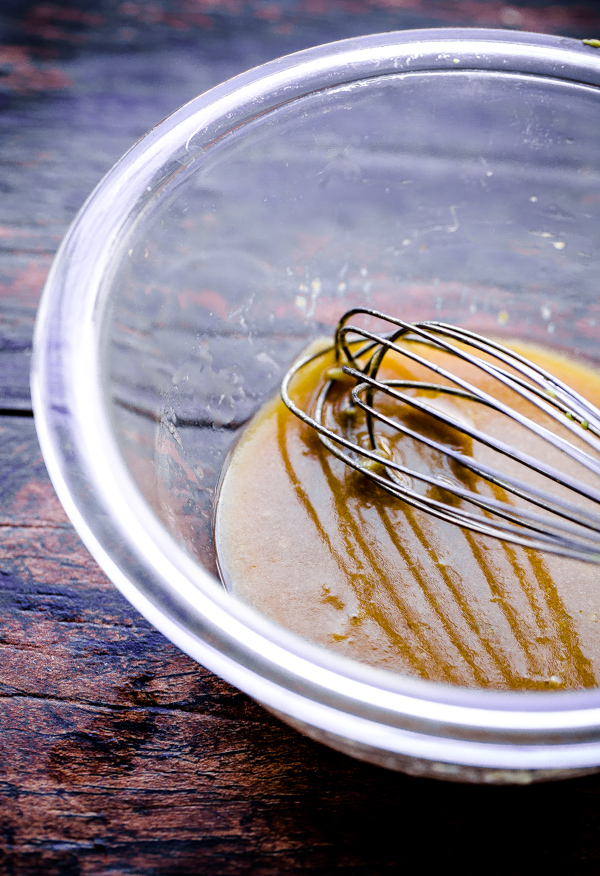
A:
{"x": 67, "y": 119}
{"x": 118, "y": 753}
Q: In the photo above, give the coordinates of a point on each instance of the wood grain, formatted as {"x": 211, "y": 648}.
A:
{"x": 121, "y": 755}
{"x": 118, "y": 754}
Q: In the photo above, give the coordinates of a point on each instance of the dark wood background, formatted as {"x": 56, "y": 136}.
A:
{"x": 119, "y": 755}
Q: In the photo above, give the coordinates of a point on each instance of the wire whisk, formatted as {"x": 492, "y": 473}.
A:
{"x": 530, "y": 501}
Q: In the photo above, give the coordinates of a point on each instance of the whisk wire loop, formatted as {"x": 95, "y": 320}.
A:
{"x": 518, "y": 487}
{"x": 546, "y": 533}
{"x": 471, "y": 431}
{"x": 564, "y": 526}
{"x": 388, "y": 344}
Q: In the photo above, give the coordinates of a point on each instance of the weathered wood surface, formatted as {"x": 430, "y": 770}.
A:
{"x": 118, "y": 753}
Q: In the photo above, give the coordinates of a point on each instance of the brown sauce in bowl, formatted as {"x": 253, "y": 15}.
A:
{"x": 317, "y": 548}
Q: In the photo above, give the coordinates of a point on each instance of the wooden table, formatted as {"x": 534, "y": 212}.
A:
{"x": 119, "y": 754}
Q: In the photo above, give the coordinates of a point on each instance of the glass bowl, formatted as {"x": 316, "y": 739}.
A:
{"x": 447, "y": 173}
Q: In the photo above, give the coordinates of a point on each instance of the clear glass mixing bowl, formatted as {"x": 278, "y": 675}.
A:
{"x": 453, "y": 173}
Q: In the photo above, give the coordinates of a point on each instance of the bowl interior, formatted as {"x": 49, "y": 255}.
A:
{"x": 471, "y": 196}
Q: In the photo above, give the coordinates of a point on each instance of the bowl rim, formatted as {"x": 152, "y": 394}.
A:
{"x": 300, "y": 680}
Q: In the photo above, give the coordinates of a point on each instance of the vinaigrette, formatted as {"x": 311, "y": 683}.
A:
{"x": 317, "y": 548}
